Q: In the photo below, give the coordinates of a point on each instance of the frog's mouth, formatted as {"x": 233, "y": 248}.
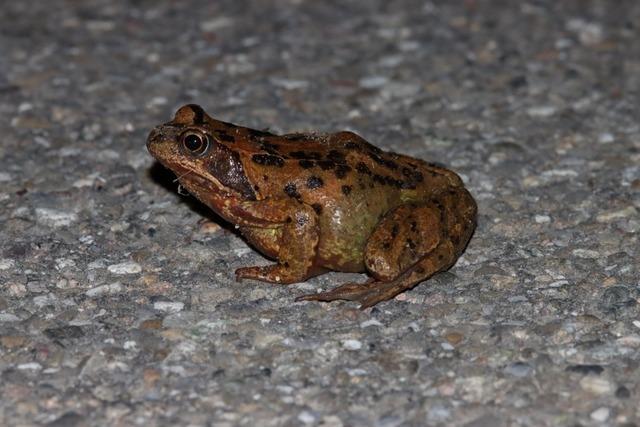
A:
{"x": 197, "y": 183}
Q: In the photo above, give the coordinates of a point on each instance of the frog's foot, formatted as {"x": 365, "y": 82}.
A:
{"x": 367, "y": 294}
{"x": 347, "y": 291}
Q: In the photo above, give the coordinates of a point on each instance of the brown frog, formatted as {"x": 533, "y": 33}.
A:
{"x": 322, "y": 202}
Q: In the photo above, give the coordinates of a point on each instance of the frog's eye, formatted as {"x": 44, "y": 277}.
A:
{"x": 195, "y": 143}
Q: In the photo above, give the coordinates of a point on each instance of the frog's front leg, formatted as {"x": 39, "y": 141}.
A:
{"x": 410, "y": 244}
{"x": 296, "y": 249}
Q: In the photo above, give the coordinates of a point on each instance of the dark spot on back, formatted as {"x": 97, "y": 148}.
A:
{"x": 413, "y": 176}
{"x": 314, "y": 182}
{"x": 341, "y": 171}
{"x": 414, "y": 226}
{"x": 351, "y": 145}
{"x": 419, "y": 270}
{"x": 317, "y": 207}
{"x": 386, "y": 245}
{"x": 270, "y": 148}
{"x": 306, "y": 164}
{"x": 336, "y": 156}
{"x": 346, "y": 190}
{"x": 291, "y": 190}
{"x": 362, "y": 168}
{"x": 394, "y": 230}
{"x": 265, "y": 178}
{"x": 326, "y": 164}
{"x": 268, "y": 160}
{"x": 379, "y": 159}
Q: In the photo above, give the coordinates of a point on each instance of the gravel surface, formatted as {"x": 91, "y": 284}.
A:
{"x": 118, "y": 303}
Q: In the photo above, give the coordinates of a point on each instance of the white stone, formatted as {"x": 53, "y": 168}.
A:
{"x": 601, "y": 414}
{"x": 32, "y": 366}
{"x": 542, "y": 111}
{"x": 306, "y": 417}
{"x": 8, "y": 317}
{"x": 613, "y": 215}
{"x": 98, "y": 291}
{"x": 585, "y": 253}
{"x": 5, "y": 177}
{"x": 44, "y": 300}
{"x": 130, "y": 345}
{"x": 62, "y": 263}
{"x": 55, "y": 218}
{"x": 168, "y": 306}
{"x": 373, "y": 82}
{"x": 127, "y": 267}
{"x": 589, "y": 33}
{"x": 352, "y": 344}
{"x": 370, "y": 322}
{"x": 215, "y": 24}
{"x": 596, "y": 385}
{"x": 542, "y": 219}
{"x": 606, "y": 138}
{"x": 446, "y": 346}
{"x": 6, "y": 263}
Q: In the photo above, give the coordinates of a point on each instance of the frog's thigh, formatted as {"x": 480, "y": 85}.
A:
{"x": 404, "y": 236}
{"x": 296, "y": 251}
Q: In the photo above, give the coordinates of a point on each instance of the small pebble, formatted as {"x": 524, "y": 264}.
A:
{"x": 542, "y": 219}
{"x": 168, "y": 306}
{"x": 596, "y": 385}
{"x": 306, "y": 417}
{"x": 6, "y": 263}
{"x": 111, "y": 289}
{"x": 127, "y": 267}
{"x": 30, "y": 366}
{"x": 542, "y": 111}
{"x": 55, "y": 218}
{"x": 352, "y": 344}
{"x": 601, "y": 414}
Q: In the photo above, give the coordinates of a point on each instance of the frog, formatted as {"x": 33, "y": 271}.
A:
{"x": 320, "y": 202}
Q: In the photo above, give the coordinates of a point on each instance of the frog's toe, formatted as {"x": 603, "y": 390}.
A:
{"x": 347, "y": 291}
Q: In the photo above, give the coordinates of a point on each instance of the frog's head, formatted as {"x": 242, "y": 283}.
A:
{"x": 194, "y": 146}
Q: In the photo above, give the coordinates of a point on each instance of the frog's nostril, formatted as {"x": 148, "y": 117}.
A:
{"x": 154, "y": 136}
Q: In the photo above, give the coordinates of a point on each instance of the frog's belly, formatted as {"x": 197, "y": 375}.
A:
{"x": 341, "y": 253}
{"x": 336, "y": 251}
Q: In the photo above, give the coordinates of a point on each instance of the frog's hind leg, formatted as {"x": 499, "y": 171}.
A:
{"x": 409, "y": 245}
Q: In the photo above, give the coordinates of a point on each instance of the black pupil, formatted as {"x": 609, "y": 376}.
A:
{"x": 193, "y": 142}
